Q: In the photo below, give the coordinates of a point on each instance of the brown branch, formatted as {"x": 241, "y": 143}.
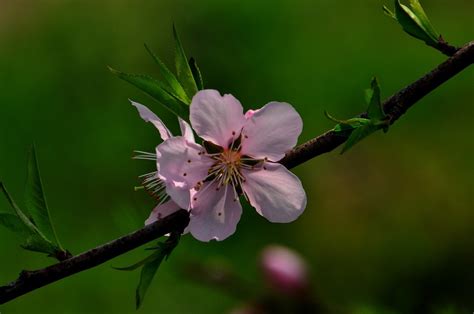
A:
{"x": 394, "y": 107}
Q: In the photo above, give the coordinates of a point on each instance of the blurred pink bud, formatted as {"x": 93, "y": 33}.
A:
{"x": 285, "y": 270}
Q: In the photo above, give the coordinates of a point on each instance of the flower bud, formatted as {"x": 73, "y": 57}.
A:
{"x": 285, "y": 271}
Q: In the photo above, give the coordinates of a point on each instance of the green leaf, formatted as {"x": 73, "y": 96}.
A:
{"x": 347, "y": 125}
{"x": 13, "y": 223}
{"x": 176, "y": 88}
{"x": 183, "y": 70}
{"x": 196, "y": 73}
{"x": 423, "y": 18}
{"x": 415, "y": 22}
{"x": 139, "y": 263}
{"x": 35, "y": 239}
{"x": 156, "y": 90}
{"x": 37, "y": 244}
{"x": 35, "y": 200}
{"x": 146, "y": 276}
{"x": 388, "y": 12}
{"x": 375, "y": 110}
{"x": 358, "y": 135}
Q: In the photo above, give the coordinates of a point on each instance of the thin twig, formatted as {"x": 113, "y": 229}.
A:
{"x": 394, "y": 107}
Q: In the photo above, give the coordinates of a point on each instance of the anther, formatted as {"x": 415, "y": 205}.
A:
{"x": 233, "y": 132}
{"x": 189, "y": 161}
{"x": 184, "y": 174}
{"x": 195, "y": 199}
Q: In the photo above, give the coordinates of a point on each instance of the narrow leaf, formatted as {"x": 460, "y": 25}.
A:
{"x": 196, "y": 74}
{"x": 146, "y": 277}
{"x": 375, "y": 109}
{"x": 423, "y": 18}
{"x": 35, "y": 200}
{"x": 13, "y": 223}
{"x": 176, "y": 88}
{"x": 155, "y": 90}
{"x": 412, "y": 24}
{"x": 37, "y": 244}
{"x": 358, "y": 135}
{"x": 388, "y": 12}
{"x": 347, "y": 125}
{"x": 35, "y": 241}
{"x": 140, "y": 263}
{"x": 183, "y": 70}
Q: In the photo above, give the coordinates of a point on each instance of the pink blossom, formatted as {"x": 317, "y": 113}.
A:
{"x": 155, "y": 184}
{"x": 285, "y": 270}
{"x": 240, "y": 157}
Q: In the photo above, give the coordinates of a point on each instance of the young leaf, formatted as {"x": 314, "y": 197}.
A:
{"x": 415, "y": 22}
{"x": 176, "y": 88}
{"x": 423, "y": 18}
{"x": 24, "y": 219}
{"x": 196, "y": 73}
{"x": 35, "y": 239}
{"x": 13, "y": 223}
{"x": 183, "y": 70}
{"x": 146, "y": 276}
{"x": 36, "y": 202}
{"x": 347, "y": 125}
{"x": 139, "y": 263}
{"x": 37, "y": 244}
{"x": 155, "y": 90}
{"x": 358, "y": 135}
{"x": 375, "y": 109}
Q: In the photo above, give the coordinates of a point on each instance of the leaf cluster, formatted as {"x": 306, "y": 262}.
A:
{"x": 175, "y": 91}
{"x": 359, "y": 128}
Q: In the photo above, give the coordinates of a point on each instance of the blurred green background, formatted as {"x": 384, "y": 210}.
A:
{"x": 388, "y": 227}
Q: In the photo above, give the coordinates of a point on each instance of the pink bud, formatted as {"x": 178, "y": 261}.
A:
{"x": 285, "y": 270}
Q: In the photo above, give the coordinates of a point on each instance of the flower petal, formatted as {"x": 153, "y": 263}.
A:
{"x": 275, "y": 192}
{"x": 161, "y": 211}
{"x": 147, "y": 115}
{"x": 182, "y": 163}
{"x": 216, "y": 118}
{"x": 179, "y": 193}
{"x": 271, "y": 131}
{"x": 215, "y": 213}
{"x": 186, "y": 130}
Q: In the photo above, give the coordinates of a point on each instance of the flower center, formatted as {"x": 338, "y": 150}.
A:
{"x": 226, "y": 169}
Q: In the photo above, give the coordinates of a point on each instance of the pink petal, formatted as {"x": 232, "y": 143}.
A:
{"x": 181, "y": 163}
{"x": 186, "y": 130}
{"x": 147, "y": 115}
{"x": 271, "y": 131}
{"x": 275, "y": 192}
{"x": 216, "y": 118}
{"x": 179, "y": 193}
{"x": 161, "y": 211}
{"x": 215, "y": 213}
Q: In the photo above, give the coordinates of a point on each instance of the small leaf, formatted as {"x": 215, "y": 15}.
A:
{"x": 375, "y": 110}
{"x": 146, "y": 276}
{"x": 415, "y": 22}
{"x": 388, "y": 12}
{"x": 358, "y": 135}
{"x": 139, "y": 263}
{"x": 347, "y": 125}
{"x": 196, "y": 74}
{"x": 36, "y": 202}
{"x": 183, "y": 70}
{"x": 35, "y": 240}
{"x": 155, "y": 89}
{"x": 37, "y": 244}
{"x": 176, "y": 88}
{"x": 13, "y": 223}
{"x": 423, "y": 18}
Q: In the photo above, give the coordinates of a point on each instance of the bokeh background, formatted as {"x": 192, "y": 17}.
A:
{"x": 388, "y": 227}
